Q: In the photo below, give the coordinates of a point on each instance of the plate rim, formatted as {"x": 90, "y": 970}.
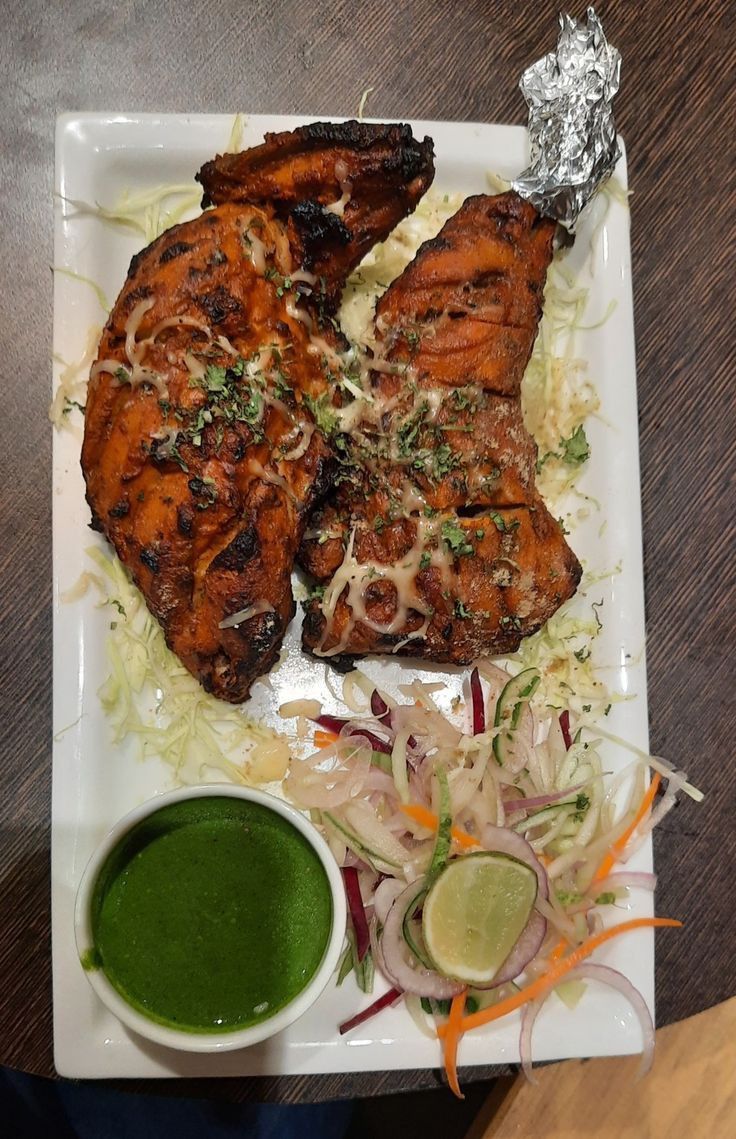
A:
{"x": 65, "y": 122}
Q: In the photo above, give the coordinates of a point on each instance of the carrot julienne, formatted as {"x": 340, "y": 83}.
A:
{"x": 559, "y": 949}
{"x": 548, "y": 980}
{"x": 620, "y": 843}
{"x": 452, "y": 1039}
{"x": 428, "y": 819}
{"x": 323, "y": 738}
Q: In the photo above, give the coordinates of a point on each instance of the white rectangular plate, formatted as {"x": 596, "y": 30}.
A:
{"x": 94, "y": 783}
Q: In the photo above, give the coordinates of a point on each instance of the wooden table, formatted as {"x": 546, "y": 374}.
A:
{"x": 427, "y": 60}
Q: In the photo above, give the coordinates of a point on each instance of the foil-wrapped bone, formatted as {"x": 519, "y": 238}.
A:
{"x": 571, "y": 129}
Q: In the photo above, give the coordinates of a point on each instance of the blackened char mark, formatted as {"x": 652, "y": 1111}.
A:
{"x": 149, "y": 557}
{"x": 174, "y": 251}
{"x": 407, "y": 155}
{"x": 319, "y": 231}
{"x": 294, "y": 165}
{"x": 219, "y": 304}
{"x": 241, "y": 550}
{"x": 120, "y": 509}
{"x": 142, "y": 293}
{"x": 185, "y": 520}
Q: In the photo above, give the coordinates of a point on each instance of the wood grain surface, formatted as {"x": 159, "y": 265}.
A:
{"x": 689, "y": 1094}
{"x": 430, "y": 60}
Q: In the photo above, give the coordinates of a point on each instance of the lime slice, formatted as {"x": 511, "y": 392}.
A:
{"x": 475, "y": 913}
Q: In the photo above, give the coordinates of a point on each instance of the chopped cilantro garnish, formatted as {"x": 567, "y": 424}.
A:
{"x": 596, "y": 605}
{"x": 322, "y": 412}
{"x": 215, "y": 378}
{"x": 457, "y": 539}
{"x": 461, "y": 612}
{"x": 502, "y": 524}
{"x": 316, "y": 593}
{"x": 70, "y": 404}
{"x": 575, "y": 449}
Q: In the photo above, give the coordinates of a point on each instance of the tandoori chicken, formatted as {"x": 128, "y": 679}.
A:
{"x": 434, "y": 542}
{"x": 201, "y": 454}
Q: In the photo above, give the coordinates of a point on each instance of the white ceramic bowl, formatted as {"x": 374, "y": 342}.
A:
{"x": 220, "y": 1041}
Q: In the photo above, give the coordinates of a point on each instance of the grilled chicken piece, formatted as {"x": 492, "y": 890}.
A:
{"x": 201, "y": 455}
{"x": 436, "y": 542}
{"x": 336, "y": 186}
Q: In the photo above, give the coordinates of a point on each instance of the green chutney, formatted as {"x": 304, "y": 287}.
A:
{"x": 211, "y": 914}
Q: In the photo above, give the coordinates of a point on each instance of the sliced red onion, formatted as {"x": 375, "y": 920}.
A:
{"x": 377, "y": 780}
{"x": 330, "y": 777}
{"x": 476, "y": 697}
{"x": 589, "y": 971}
{"x": 386, "y": 894}
{"x": 389, "y": 998}
{"x": 331, "y": 723}
{"x": 526, "y": 948}
{"x": 411, "y": 978}
{"x": 565, "y": 728}
{"x": 379, "y": 707}
{"x": 377, "y": 952}
{"x": 343, "y": 727}
{"x": 509, "y": 842}
{"x": 386, "y": 716}
{"x": 357, "y": 913}
{"x": 529, "y": 1014}
{"x": 376, "y": 743}
{"x": 623, "y": 879}
{"x": 663, "y": 807}
{"x": 541, "y": 800}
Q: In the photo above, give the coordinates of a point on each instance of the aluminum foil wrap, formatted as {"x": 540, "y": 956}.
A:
{"x": 571, "y": 129}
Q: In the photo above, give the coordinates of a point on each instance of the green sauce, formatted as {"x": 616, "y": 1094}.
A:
{"x": 211, "y": 915}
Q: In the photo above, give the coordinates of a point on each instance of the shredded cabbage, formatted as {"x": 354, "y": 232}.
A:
{"x": 104, "y": 303}
{"x": 385, "y": 261}
{"x": 149, "y": 695}
{"x": 149, "y": 212}
{"x": 235, "y": 141}
{"x": 71, "y": 389}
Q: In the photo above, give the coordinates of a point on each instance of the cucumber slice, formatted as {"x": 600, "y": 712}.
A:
{"x": 442, "y": 844}
{"x": 377, "y": 861}
{"x": 509, "y": 707}
{"x": 381, "y": 760}
{"x": 412, "y": 930}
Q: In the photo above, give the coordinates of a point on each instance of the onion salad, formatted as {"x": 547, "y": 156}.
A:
{"x": 400, "y": 790}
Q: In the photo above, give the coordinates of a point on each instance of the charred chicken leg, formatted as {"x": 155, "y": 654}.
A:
{"x": 201, "y": 455}
{"x": 436, "y": 543}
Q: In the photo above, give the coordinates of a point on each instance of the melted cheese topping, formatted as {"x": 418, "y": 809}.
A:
{"x": 346, "y": 189}
{"x": 236, "y": 619}
{"x": 136, "y": 350}
{"x": 353, "y": 578}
